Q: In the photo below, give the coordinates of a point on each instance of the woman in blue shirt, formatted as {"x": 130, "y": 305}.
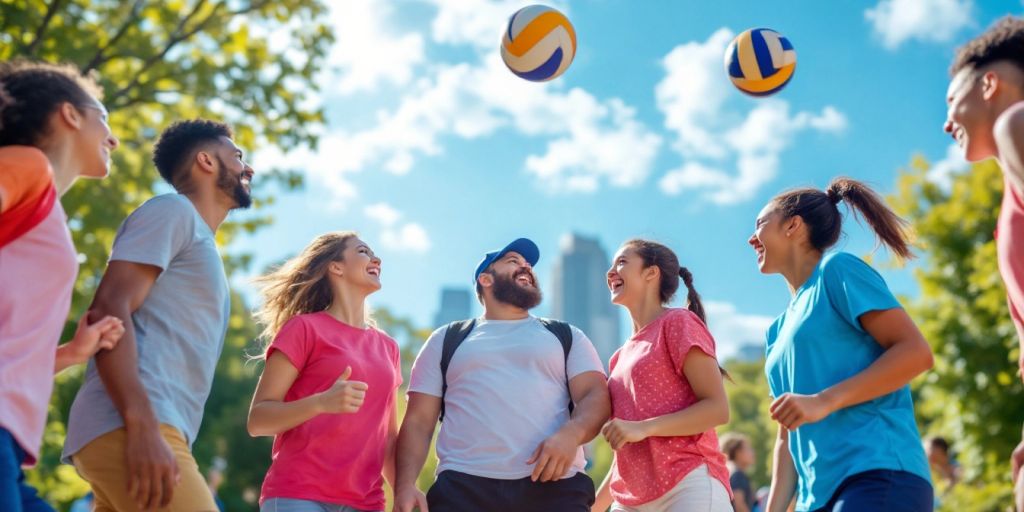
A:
{"x": 839, "y": 360}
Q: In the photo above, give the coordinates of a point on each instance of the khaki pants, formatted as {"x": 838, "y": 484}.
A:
{"x": 101, "y": 463}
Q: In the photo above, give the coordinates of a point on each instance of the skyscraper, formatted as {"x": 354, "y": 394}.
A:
{"x": 455, "y": 305}
{"x": 580, "y": 293}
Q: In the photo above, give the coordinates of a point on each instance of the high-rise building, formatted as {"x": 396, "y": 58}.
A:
{"x": 455, "y": 305}
{"x": 580, "y": 293}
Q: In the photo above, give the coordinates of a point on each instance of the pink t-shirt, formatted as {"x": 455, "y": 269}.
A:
{"x": 1010, "y": 251}
{"x": 646, "y": 380}
{"x": 37, "y": 274}
{"x": 335, "y": 458}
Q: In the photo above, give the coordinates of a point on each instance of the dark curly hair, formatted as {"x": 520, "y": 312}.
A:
{"x": 30, "y": 92}
{"x": 178, "y": 144}
{"x": 1003, "y": 41}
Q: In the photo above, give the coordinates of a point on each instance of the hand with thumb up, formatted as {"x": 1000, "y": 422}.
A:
{"x": 344, "y": 396}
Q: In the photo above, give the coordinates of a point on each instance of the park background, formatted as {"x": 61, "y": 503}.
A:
{"x": 397, "y": 118}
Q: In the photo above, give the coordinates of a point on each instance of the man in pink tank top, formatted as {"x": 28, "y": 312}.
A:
{"x": 986, "y": 117}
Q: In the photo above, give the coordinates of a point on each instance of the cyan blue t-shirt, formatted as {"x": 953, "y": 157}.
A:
{"x": 818, "y": 342}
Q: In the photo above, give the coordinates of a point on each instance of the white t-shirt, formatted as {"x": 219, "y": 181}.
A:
{"x": 506, "y": 394}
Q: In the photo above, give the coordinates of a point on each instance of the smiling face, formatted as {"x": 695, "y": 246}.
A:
{"x": 770, "y": 241}
{"x": 628, "y": 281}
{"x": 512, "y": 281}
{"x": 93, "y": 140}
{"x": 970, "y": 115}
{"x": 359, "y": 267}
{"x": 234, "y": 176}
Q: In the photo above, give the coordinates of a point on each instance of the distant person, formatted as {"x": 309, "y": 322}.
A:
{"x": 740, "y": 457}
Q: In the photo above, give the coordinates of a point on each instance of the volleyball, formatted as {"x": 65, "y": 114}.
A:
{"x": 539, "y": 43}
{"x": 760, "y": 61}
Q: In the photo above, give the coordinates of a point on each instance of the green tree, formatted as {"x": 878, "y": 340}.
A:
{"x": 749, "y": 399}
{"x": 973, "y": 394}
{"x": 159, "y": 61}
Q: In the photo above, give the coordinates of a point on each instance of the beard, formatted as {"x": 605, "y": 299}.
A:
{"x": 508, "y": 291}
{"x": 231, "y": 185}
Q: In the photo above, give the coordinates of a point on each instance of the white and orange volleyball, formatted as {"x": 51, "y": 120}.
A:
{"x": 760, "y": 61}
{"x": 539, "y": 43}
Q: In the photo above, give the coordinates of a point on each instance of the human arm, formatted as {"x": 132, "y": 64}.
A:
{"x": 88, "y": 340}
{"x": 784, "y": 477}
{"x": 555, "y": 455}
{"x": 414, "y": 437}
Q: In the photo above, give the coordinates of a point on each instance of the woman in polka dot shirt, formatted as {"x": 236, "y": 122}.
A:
{"x": 667, "y": 393}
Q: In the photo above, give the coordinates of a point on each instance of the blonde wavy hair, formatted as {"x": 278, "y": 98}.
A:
{"x": 300, "y": 285}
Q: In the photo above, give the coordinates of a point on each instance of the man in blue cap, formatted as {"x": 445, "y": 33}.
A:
{"x": 518, "y": 396}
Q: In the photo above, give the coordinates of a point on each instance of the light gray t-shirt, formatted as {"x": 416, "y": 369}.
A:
{"x": 179, "y": 329}
{"x": 506, "y": 394}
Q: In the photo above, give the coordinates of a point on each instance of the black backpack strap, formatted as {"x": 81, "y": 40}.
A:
{"x": 563, "y": 332}
{"x": 454, "y": 335}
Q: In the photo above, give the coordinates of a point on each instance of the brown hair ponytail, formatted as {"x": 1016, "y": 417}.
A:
{"x": 693, "y": 302}
{"x": 819, "y": 209}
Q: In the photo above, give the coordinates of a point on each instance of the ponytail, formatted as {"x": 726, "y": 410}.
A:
{"x": 890, "y": 229}
{"x": 693, "y": 302}
{"x": 819, "y": 209}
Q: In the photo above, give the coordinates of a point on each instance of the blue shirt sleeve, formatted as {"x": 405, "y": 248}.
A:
{"x": 854, "y": 288}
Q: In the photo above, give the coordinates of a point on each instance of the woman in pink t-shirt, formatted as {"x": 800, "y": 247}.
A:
{"x": 667, "y": 393}
{"x": 327, "y": 393}
{"x": 53, "y": 130}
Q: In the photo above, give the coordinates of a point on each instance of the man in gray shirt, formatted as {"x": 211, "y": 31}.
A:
{"x": 508, "y": 440}
{"x": 134, "y": 420}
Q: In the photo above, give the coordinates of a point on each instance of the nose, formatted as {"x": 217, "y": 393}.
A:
{"x": 948, "y": 126}
{"x": 112, "y": 142}
{"x": 376, "y": 259}
{"x": 753, "y": 241}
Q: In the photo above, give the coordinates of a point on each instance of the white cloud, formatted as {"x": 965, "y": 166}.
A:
{"x": 382, "y": 213}
{"x": 942, "y": 171}
{"x": 733, "y": 330}
{"x": 692, "y": 94}
{"x": 898, "y": 21}
{"x": 477, "y": 22}
{"x": 589, "y": 140}
{"x": 409, "y": 236}
{"x": 709, "y": 133}
{"x": 365, "y": 52}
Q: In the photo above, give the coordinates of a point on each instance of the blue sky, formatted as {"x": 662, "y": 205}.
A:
{"x": 435, "y": 152}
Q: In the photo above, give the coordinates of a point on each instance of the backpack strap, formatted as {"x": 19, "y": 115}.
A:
{"x": 563, "y": 332}
{"x": 454, "y": 335}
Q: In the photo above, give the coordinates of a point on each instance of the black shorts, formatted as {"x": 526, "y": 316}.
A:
{"x": 461, "y": 492}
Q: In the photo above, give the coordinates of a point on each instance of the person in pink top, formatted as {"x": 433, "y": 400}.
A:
{"x": 53, "y": 129}
{"x": 667, "y": 393}
{"x": 986, "y": 118}
{"x": 327, "y": 393}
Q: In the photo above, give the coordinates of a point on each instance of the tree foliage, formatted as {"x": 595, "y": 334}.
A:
{"x": 250, "y": 63}
{"x": 973, "y": 394}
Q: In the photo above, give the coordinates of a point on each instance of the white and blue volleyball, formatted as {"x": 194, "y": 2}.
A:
{"x": 539, "y": 43}
{"x": 760, "y": 61}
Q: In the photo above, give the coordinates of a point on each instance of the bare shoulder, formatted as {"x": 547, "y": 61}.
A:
{"x": 1011, "y": 122}
{"x": 1009, "y": 136}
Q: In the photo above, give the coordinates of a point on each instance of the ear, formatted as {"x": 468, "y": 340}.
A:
{"x": 335, "y": 268}
{"x": 990, "y": 83}
{"x": 652, "y": 273}
{"x": 70, "y": 115}
{"x": 486, "y": 280}
{"x": 793, "y": 225}
{"x": 206, "y": 161}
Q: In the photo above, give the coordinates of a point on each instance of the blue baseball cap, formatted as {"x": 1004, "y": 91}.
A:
{"x": 524, "y": 246}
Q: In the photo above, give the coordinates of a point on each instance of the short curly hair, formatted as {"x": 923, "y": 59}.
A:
{"x": 178, "y": 145}
{"x": 30, "y": 92}
{"x": 1003, "y": 41}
